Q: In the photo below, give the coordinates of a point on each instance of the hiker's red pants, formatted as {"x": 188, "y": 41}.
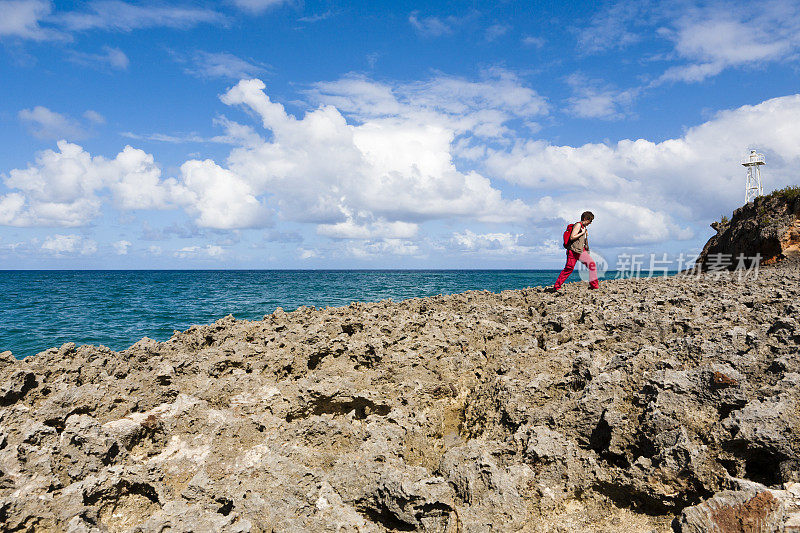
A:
{"x": 573, "y": 258}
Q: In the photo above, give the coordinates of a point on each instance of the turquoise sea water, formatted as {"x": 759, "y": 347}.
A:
{"x": 42, "y": 309}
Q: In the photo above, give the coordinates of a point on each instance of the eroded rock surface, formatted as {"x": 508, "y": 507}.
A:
{"x": 768, "y": 226}
{"x": 623, "y": 409}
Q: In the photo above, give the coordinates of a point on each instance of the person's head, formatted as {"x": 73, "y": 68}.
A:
{"x": 587, "y": 217}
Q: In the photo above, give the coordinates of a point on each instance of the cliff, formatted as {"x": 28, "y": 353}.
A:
{"x": 645, "y": 404}
{"x": 769, "y": 226}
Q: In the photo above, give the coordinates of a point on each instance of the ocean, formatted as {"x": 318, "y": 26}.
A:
{"x": 43, "y": 309}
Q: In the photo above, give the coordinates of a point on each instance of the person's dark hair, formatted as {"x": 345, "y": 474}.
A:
{"x": 587, "y": 215}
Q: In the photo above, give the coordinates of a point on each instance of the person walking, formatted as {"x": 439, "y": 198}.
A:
{"x": 578, "y": 250}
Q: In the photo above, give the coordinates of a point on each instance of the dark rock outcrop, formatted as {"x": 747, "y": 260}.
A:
{"x": 768, "y": 226}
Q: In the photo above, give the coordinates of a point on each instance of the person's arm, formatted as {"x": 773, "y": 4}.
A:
{"x": 577, "y": 231}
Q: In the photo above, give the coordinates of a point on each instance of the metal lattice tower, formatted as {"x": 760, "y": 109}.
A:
{"x": 752, "y": 162}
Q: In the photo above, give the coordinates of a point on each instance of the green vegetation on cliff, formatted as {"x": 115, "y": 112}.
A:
{"x": 788, "y": 193}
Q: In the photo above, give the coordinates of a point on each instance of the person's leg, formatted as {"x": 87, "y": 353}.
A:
{"x": 587, "y": 260}
{"x": 572, "y": 258}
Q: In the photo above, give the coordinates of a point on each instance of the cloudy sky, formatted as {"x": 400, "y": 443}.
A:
{"x": 322, "y": 134}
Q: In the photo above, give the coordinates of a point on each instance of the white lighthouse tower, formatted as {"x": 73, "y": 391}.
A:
{"x": 752, "y": 162}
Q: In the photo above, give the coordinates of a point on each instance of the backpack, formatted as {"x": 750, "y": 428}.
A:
{"x": 567, "y": 234}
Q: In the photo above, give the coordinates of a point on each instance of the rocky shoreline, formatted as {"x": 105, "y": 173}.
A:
{"x": 646, "y": 406}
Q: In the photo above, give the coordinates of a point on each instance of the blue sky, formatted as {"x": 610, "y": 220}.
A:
{"x": 289, "y": 134}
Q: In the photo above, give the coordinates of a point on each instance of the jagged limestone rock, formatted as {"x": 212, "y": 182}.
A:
{"x": 520, "y": 411}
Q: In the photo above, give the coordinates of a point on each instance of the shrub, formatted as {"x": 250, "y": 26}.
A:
{"x": 789, "y": 193}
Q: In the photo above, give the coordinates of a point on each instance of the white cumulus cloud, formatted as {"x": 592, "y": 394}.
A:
{"x": 257, "y": 7}
{"x": 123, "y": 16}
{"x": 653, "y": 191}
{"x": 480, "y": 108}
{"x": 219, "y": 198}
{"x": 46, "y": 124}
{"x": 536, "y": 42}
{"x": 387, "y": 168}
{"x": 592, "y": 99}
{"x": 209, "y": 251}
{"x": 720, "y": 36}
{"x": 305, "y": 253}
{"x": 68, "y": 187}
{"x": 111, "y": 57}
{"x": 21, "y": 19}
{"x": 382, "y": 248}
{"x": 352, "y": 228}
{"x": 62, "y": 188}
{"x": 121, "y": 247}
{"x": 431, "y": 26}
{"x": 36, "y": 20}
{"x": 94, "y": 117}
{"x": 496, "y": 30}
{"x": 219, "y": 65}
{"x": 497, "y": 242}
{"x": 61, "y": 245}
{"x": 502, "y": 244}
